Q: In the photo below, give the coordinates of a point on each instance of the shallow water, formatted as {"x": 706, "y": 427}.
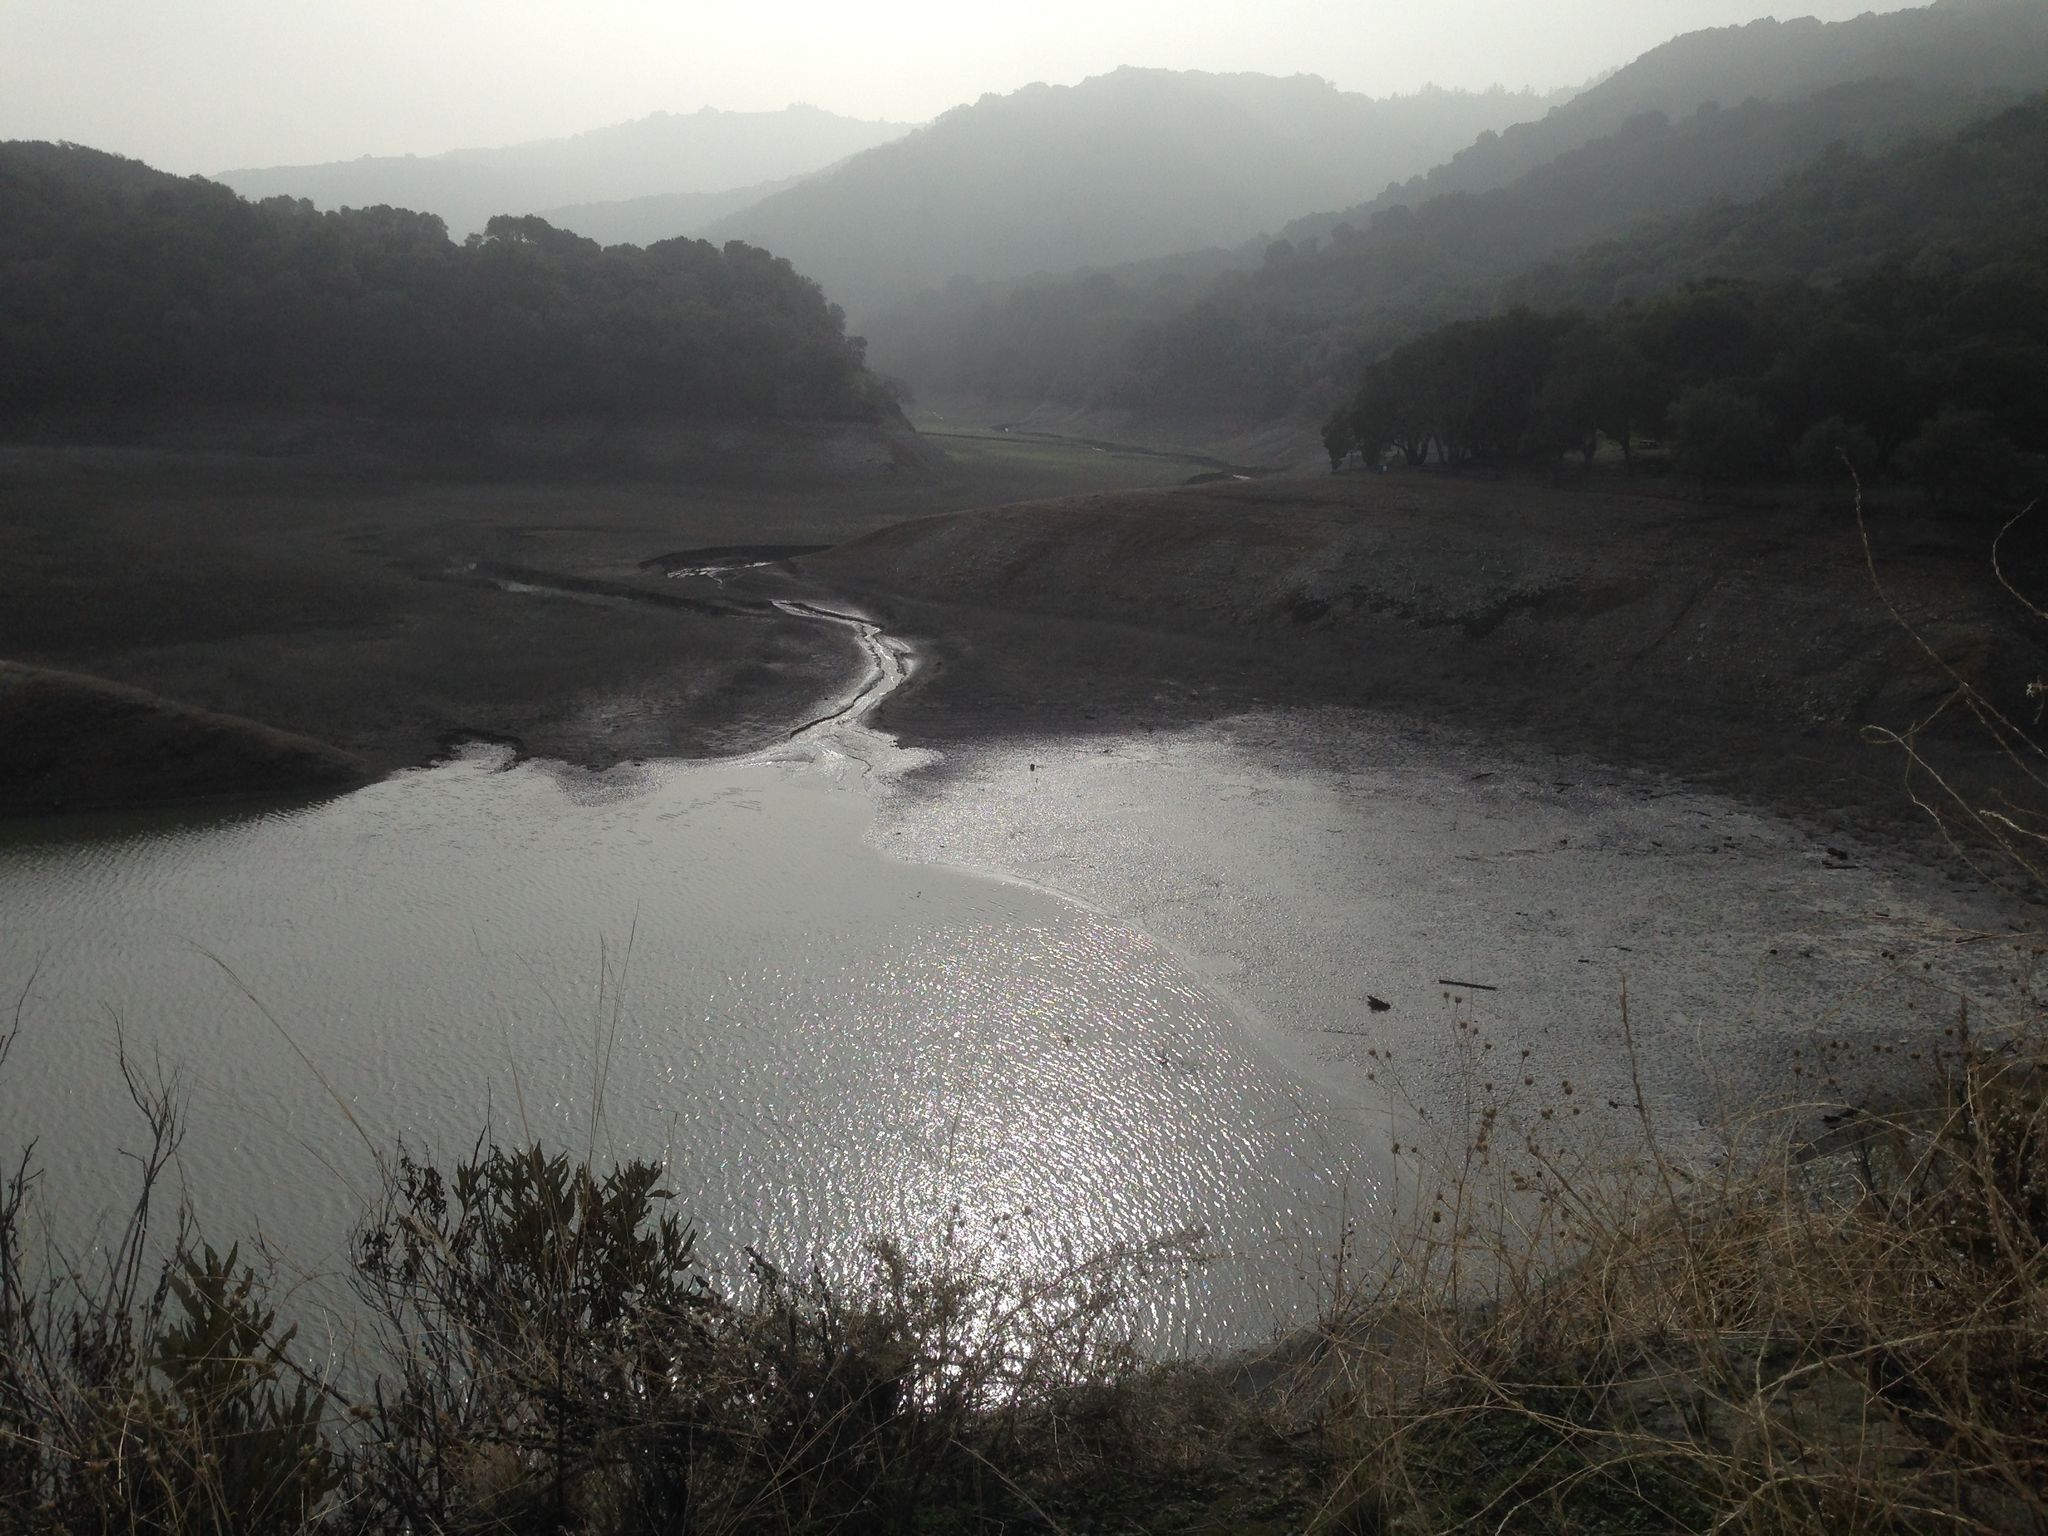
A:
{"x": 1501, "y": 904}
{"x": 784, "y": 978}
{"x": 706, "y": 965}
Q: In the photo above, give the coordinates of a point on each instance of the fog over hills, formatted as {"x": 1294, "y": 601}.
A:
{"x": 1134, "y": 164}
{"x": 1276, "y": 326}
{"x": 1976, "y": 46}
{"x": 660, "y": 216}
{"x": 705, "y": 152}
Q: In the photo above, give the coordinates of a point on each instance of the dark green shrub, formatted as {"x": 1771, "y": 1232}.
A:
{"x": 1959, "y": 451}
{"x": 555, "y": 1338}
{"x": 1833, "y": 448}
{"x": 1723, "y": 434}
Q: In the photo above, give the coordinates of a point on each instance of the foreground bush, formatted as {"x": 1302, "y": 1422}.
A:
{"x": 570, "y": 1366}
{"x": 1851, "y": 1338}
{"x": 556, "y": 1358}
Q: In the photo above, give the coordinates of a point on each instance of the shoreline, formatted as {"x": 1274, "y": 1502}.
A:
{"x": 186, "y": 757}
{"x": 1716, "y": 646}
{"x": 1396, "y": 893}
{"x": 1381, "y": 898}
{"x": 389, "y": 604}
{"x": 1721, "y": 646}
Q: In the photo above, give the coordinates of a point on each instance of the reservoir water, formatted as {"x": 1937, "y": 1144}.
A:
{"x": 707, "y": 965}
{"x": 1246, "y": 953}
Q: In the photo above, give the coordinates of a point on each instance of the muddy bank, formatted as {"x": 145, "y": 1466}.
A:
{"x": 81, "y": 743}
{"x": 1742, "y": 647}
{"x": 599, "y": 621}
{"x": 1417, "y": 770}
{"x": 314, "y": 575}
{"x": 1392, "y": 905}
{"x": 339, "y": 442}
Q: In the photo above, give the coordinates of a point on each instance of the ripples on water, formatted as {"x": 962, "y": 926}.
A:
{"x": 701, "y": 964}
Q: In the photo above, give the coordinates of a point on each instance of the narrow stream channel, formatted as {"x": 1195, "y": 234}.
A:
{"x": 889, "y": 666}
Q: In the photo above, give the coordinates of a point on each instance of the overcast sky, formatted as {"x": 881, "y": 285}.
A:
{"x": 206, "y": 85}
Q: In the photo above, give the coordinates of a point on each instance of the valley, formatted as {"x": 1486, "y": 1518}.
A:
{"x": 1182, "y": 799}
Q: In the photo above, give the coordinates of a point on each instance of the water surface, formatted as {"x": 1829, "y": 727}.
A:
{"x": 707, "y": 965}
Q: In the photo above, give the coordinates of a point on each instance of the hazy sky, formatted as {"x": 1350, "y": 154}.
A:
{"x": 205, "y": 85}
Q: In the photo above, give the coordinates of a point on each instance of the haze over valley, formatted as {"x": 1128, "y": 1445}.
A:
{"x": 1170, "y": 771}
{"x": 716, "y": 160}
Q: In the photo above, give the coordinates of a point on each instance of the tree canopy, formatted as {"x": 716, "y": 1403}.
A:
{"x": 1823, "y": 185}
{"x": 1939, "y": 375}
{"x": 121, "y": 286}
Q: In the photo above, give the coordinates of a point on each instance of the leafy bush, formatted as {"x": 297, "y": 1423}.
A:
{"x": 1829, "y": 449}
{"x": 1958, "y": 450}
{"x": 1722, "y": 433}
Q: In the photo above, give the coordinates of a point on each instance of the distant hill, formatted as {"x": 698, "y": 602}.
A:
{"x": 1121, "y": 167}
{"x": 1287, "y": 323}
{"x": 1888, "y": 310}
{"x": 663, "y": 216}
{"x": 1976, "y": 47}
{"x": 1941, "y": 207}
{"x": 698, "y": 152}
{"x": 122, "y": 287}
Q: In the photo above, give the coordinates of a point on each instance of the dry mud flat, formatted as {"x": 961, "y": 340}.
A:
{"x": 184, "y": 754}
{"x": 387, "y": 597}
{"x": 1406, "y": 910}
{"x": 1743, "y": 648}
{"x": 1486, "y": 754}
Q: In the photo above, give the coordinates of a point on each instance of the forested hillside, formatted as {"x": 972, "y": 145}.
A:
{"x": 1288, "y": 331}
{"x": 1892, "y": 312}
{"x": 733, "y": 154}
{"x": 121, "y": 286}
{"x": 1950, "y": 47}
{"x": 1937, "y": 199}
{"x": 1123, "y": 167}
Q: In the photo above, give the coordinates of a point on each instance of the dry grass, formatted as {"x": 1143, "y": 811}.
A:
{"x": 1840, "y": 1336}
{"x": 1846, "y": 1340}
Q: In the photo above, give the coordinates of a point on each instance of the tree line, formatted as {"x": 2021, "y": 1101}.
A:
{"x": 1935, "y": 371}
{"x": 1819, "y": 188}
{"x": 121, "y": 286}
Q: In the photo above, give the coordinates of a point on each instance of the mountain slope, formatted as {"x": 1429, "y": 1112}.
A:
{"x": 1121, "y": 167}
{"x": 1941, "y": 206}
{"x": 705, "y": 151}
{"x": 1979, "y": 47}
{"x": 1889, "y": 310}
{"x": 1288, "y": 332}
{"x": 1253, "y": 343}
{"x": 123, "y": 287}
{"x": 662, "y": 216}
